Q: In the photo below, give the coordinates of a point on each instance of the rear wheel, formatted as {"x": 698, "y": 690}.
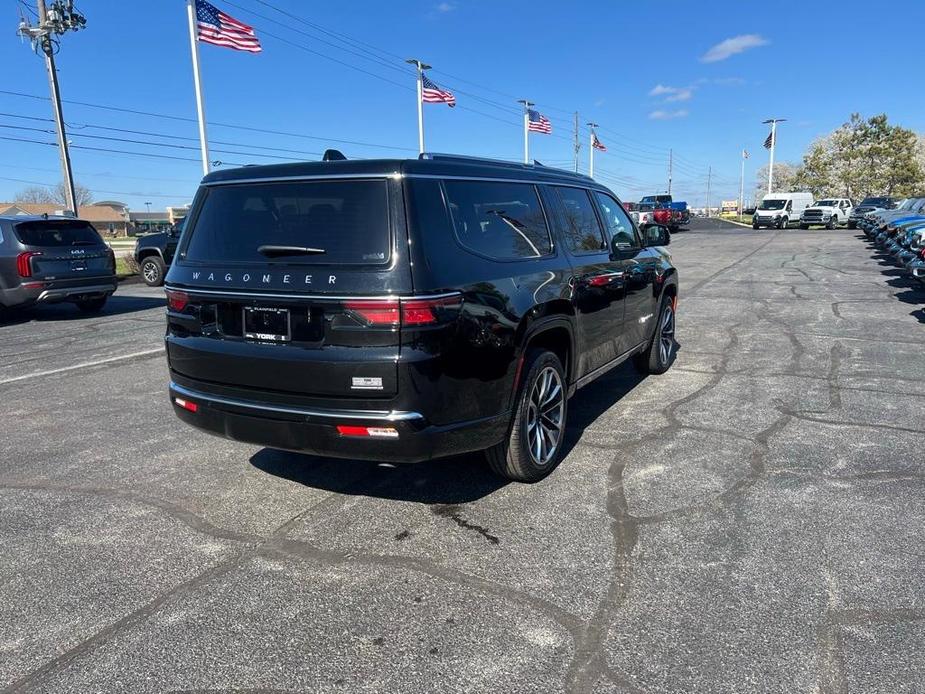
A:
{"x": 152, "y": 271}
{"x": 533, "y": 447}
{"x": 660, "y": 354}
{"x": 92, "y": 305}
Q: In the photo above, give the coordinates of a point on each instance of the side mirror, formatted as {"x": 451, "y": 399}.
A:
{"x": 657, "y": 235}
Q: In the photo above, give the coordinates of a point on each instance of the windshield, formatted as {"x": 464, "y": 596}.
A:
{"x": 876, "y": 202}
{"x": 319, "y": 222}
{"x": 57, "y": 233}
{"x": 825, "y": 203}
{"x": 645, "y": 207}
{"x": 772, "y": 204}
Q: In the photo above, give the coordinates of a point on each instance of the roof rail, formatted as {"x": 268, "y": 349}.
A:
{"x": 437, "y": 156}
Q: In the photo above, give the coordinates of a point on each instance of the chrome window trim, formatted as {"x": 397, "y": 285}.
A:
{"x": 377, "y": 415}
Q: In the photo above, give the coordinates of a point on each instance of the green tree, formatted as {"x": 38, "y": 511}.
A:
{"x": 864, "y": 157}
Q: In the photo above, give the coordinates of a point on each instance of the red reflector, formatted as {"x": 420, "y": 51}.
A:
{"x": 374, "y": 432}
{"x": 186, "y": 404}
{"x": 375, "y": 312}
{"x": 23, "y": 264}
{"x": 176, "y": 301}
{"x": 33, "y": 285}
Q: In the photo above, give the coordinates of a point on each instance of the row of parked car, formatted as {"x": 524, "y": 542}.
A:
{"x": 782, "y": 210}
{"x": 899, "y": 231}
{"x": 660, "y": 209}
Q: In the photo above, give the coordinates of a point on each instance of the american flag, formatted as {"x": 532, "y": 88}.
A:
{"x": 745, "y": 154}
{"x": 769, "y": 141}
{"x": 215, "y": 27}
{"x": 537, "y": 122}
{"x": 597, "y": 144}
{"x": 432, "y": 94}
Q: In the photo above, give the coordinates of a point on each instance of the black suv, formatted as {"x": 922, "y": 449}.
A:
{"x": 45, "y": 259}
{"x": 154, "y": 252}
{"x": 402, "y": 310}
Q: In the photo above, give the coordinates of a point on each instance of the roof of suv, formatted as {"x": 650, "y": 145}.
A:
{"x": 430, "y": 164}
{"x": 17, "y": 218}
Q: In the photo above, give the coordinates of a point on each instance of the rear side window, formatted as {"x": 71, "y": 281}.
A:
{"x": 504, "y": 221}
{"x": 332, "y": 222}
{"x": 53, "y": 233}
{"x": 581, "y": 229}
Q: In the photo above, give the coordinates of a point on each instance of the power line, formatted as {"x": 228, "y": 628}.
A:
{"x": 98, "y": 190}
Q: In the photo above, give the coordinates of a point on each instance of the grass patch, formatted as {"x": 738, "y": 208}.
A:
{"x": 126, "y": 267}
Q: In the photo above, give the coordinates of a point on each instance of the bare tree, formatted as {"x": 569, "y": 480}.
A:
{"x": 56, "y": 195}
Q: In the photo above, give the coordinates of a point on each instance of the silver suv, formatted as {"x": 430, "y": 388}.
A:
{"x": 45, "y": 259}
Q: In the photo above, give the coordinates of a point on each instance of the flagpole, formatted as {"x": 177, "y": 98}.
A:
{"x": 527, "y": 105}
{"x": 421, "y": 67}
{"x": 771, "y": 164}
{"x": 742, "y": 186}
{"x": 197, "y": 80}
{"x": 591, "y": 127}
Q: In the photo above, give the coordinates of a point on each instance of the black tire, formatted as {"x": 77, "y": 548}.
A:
{"x": 658, "y": 357}
{"x": 832, "y": 223}
{"x": 804, "y": 226}
{"x": 517, "y": 458}
{"x": 755, "y": 227}
{"x": 92, "y": 305}
{"x": 782, "y": 222}
{"x": 852, "y": 225}
{"x": 152, "y": 270}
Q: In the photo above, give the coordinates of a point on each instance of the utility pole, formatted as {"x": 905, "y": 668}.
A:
{"x": 709, "y": 181}
{"x": 60, "y": 18}
{"x": 670, "y": 164}
{"x": 773, "y": 139}
{"x": 527, "y": 105}
{"x": 420, "y": 67}
{"x": 577, "y": 143}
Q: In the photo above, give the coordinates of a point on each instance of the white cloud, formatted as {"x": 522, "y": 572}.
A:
{"x": 446, "y": 7}
{"x": 729, "y": 47}
{"x": 672, "y": 93}
{"x": 667, "y": 115}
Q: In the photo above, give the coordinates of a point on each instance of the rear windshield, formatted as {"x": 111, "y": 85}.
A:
{"x": 332, "y": 222}
{"x": 57, "y": 232}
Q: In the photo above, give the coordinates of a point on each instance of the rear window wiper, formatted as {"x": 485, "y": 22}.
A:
{"x": 84, "y": 243}
{"x": 275, "y": 251}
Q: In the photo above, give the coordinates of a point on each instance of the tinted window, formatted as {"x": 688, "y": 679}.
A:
{"x": 580, "y": 229}
{"x": 499, "y": 220}
{"x": 347, "y": 222}
{"x": 58, "y": 232}
{"x": 618, "y": 224}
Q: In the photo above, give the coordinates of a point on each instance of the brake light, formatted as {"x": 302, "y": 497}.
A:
{"x": 23, "y": 263}
{"x": 112, "y": 260}
{"x": 405, "y": 312}
{"x": 378, "y": 313}
{"x": 372, "y": 432}
{"x": 176, "y": 301}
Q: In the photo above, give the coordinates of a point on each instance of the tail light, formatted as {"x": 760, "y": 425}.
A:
{"x": 177, "y": 301}
{"x": 24, "y": 264}
{"x": 922, "y": 253}
{"x": 371, "y": 432}
{"x": 112, "y": 260}
{"x": 405, "y": 312}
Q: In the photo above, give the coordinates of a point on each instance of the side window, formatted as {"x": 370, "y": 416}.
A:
{"x": 581, "y": 229}
{"x": 504, "y": 221}
{"x": 618, "y": 225}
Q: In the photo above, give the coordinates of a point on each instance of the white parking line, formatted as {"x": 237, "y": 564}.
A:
{"x": 98, "y": 362}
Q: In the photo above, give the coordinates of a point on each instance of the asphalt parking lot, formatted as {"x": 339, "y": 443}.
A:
{"x": 751, "y": 521}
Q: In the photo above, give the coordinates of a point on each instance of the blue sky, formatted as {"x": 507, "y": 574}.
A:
{"x": 695, "y": 77}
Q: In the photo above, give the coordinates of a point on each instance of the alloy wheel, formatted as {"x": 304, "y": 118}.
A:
{"x": 150, "y": 272}
{"x": 545, "y": 411}
{"x": 666, "y": 335}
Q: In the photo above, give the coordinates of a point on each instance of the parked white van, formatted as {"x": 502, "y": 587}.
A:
{"x": 780, "y": 210}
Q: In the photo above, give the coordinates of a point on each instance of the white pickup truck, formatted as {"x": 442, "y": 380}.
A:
{"x": 830, "y": 213}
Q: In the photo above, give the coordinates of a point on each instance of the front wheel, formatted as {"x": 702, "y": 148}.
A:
{"x": 533, "y": 447}
{"x": 804, "y": 226}
{"x": 660, "y": 354}
{"x": 832, "y": 223}
{"x": 782, "y": 222}
{"x": 852, "y": 225}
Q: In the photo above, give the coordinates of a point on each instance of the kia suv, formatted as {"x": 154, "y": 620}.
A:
{"x": 46, "y": 259}
{"x": 403, "y": 310}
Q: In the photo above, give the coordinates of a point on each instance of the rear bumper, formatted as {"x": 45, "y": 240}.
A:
{"x": 314, "y": 430}
{"x": 52, "y": 292}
